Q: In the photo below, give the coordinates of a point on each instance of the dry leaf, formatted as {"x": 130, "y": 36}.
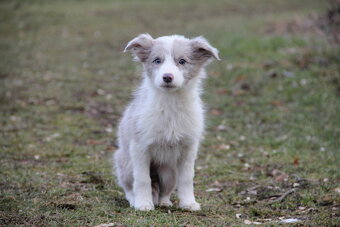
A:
{"x": 282, "y": 177}
{"x": 276, "y": 103}
{"x": 215, "y": 112}
{"x": 238, "y": 92}
{"x": 94, "y": 142}
{"x": 240, "y": 78}
{"x": 223, "y": 92}
{"x": 222, "y": 147}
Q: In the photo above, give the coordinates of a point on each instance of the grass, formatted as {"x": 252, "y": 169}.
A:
{"x": 272, "y": 111}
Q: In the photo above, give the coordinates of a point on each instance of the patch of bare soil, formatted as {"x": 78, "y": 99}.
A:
{"x": 327, "y": 23}
{"x": 296, "y": 25}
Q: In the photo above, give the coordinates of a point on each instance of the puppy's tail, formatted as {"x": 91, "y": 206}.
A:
{"x": 155, "y": 183}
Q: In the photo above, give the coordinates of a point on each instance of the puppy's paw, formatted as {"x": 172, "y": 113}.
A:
{"x": 165, "y": 202}
{"x": 146, "y": 206}
{"x": 191, "y": 206}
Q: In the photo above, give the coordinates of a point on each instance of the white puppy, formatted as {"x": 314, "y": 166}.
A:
{"x": 161, "y": 129}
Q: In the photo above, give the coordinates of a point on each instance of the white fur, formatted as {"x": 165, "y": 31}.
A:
{"x": 162, "y": 126}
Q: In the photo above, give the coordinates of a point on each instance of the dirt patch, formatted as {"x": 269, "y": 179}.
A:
{"x": 12, "y": 219}
{"x": 297, "y": 25}
{"x": 329, "y": 22}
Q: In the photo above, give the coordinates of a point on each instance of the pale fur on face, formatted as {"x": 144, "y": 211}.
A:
{"x": 161, "y": 129}
{"x": 170, "y": 50}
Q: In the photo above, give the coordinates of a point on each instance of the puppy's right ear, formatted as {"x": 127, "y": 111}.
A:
{"x": 140, "y": 47}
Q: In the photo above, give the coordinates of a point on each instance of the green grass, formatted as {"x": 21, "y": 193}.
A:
{"x": 64, "y": 83}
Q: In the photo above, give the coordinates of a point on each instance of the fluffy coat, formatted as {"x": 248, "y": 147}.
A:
{"x": 161, "y": 129}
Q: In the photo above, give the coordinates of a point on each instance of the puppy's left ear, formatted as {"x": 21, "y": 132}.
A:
{"x": 202, "y": 50}
{"x": 140, "y": 47}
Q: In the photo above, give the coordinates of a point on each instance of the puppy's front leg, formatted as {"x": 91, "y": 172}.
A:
{"x": 141, "y": 174}
{"x": 185, "y": 185}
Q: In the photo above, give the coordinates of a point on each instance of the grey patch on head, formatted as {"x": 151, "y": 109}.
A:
{"x": 190, "y": 51}
{"x": 157, "y": 51}
{"x": 202, "y": 50}
{"x": 140, "y": 47}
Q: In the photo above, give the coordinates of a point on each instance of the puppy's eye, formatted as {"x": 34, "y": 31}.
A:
{"x": 182, "y": 61}
{"x": 157, "y": 61}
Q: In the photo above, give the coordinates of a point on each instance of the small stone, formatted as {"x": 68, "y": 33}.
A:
{"x": 108, "y": 130}
{"x": 106, "y": 225}
{"x": 290, "y": 220}
{"x": 108, "y": 96}
{"x": 213, "y": 190}
{"x": 303, "y": 82}
{"x": 295, "y": 185}
{"x": 247, "y": 222}
{"x": 337, "y": 190}
{"x": 221, "y": 127}
{"x": 100, "y": 92}
{"x": 53, "y": 136}
{"x": 288, "y": 74}
{"x": 229, "y": 67}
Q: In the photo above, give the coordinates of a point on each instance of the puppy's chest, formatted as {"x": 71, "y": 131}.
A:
{"x": 173, "y": 124}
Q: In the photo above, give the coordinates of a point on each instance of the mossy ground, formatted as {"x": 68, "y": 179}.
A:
{"x": 272, "y": 111}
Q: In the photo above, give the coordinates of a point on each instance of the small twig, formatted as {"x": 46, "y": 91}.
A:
{"x": 253, "y": 188}
{"x": 283, "y": 196}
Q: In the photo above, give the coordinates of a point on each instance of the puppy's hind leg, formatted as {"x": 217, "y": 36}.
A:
{"x": 167, "y": 179}
{"x": 124, "y": 174}
{"x": 154, "y": 183}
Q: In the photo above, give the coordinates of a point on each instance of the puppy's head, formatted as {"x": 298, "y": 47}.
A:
{"x": 171, "y": 62}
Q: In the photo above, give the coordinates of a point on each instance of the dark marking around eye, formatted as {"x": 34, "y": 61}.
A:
{"x": 182, "y": 61}
{"x": 157, "y": 61}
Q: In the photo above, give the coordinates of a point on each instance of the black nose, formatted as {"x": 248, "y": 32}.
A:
{"x": 168, "y": 77}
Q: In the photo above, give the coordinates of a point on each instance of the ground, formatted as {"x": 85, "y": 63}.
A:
{"x": 271, "y": 149}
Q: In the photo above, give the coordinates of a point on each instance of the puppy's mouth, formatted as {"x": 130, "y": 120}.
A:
{"x": 168, "y": 86}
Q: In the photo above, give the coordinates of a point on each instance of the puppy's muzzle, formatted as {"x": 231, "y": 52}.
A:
{"x": 168, "y": 78}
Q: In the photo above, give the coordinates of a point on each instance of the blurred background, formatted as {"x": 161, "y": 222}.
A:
{"x": 271, "y": 151}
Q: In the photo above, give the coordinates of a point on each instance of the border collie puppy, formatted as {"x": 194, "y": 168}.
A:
{"x": 161, "y": 129}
